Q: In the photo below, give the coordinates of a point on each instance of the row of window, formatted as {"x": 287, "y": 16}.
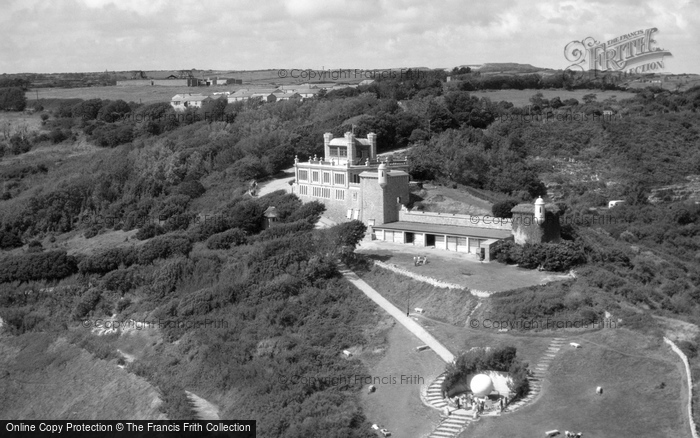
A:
{"x": 338, "y": 178}
{"x": 324, "y": 192}
{"x": 321, "y": 192}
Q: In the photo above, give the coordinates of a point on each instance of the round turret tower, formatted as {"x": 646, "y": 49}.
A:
{"x": 381, "y": 172}
{"x": 539, "y": 211}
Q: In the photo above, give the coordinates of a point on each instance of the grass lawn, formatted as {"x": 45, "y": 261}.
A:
{"x": 522, "y": 97}
{"x": 450, "y": 305}
{"x": 457, "y": 268}
{"x": 643, "y": 394}
{"x": 397, "y": 406}
{"x": 530, "y": 347}
{"x": 129, "y": 93}
{"x": 444, "y": 199}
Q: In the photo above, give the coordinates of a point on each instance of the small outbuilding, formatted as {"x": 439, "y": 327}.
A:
{"x": 271, "y": 216}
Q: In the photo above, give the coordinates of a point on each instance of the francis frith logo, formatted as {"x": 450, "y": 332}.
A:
{"x": 634, "y": 52}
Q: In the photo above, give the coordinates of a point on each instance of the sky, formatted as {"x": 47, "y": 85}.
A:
{"x": 52, "y": 36}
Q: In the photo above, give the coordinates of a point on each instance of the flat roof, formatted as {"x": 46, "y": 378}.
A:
{"x": 452, "y": 230}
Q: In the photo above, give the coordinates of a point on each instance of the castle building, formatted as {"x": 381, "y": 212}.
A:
{"x": 353, "y": 184}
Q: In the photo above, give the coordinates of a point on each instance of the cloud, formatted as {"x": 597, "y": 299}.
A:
{"x": 94, "y": 35}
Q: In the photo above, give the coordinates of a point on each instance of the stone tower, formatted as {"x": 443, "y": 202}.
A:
{"x": 536, "y": 223}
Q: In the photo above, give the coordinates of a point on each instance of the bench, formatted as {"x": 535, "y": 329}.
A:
{"x": 419, "y": 310}
{"x": 549, "y": 433}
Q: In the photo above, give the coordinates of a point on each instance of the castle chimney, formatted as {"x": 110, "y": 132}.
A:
{"x": 327, "y": 137}
{"x": 372, "y": 138}
{"x": 350, "y": 141}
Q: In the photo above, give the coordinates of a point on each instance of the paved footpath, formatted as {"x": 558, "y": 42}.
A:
{"x": 399, "y": 315}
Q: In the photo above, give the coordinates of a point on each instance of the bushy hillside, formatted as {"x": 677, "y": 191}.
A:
{"x": 98, "y": 167}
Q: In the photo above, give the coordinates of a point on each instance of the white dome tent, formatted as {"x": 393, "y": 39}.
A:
{"x": 481, "y": 385}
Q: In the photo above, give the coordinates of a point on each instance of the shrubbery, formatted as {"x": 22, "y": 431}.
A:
{"x": 9, "y": 240}
{"x": 162, "y": 247}
{"x": 226, "y": 239}
{"x": 475, "y": 361}
{"x": 549, "y": 256}
{"x": 121, "y": 280}
{"x": 503, "y": 208}
{"x": 149, "y": 231}
{"x": 50, "y": 265}
{"x": 87, "y": 303}
{"x": 284, "y": 229}
{"x": 109, "y": 260}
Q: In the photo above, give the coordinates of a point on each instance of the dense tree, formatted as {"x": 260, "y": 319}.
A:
{"x": 503, "y": 208}
{"x": 12, "y": 99}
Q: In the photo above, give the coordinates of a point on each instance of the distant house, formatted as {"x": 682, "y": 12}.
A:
{"x": 265, "y": 97}
{"x": 323, "y": 85}
{"x": 289, "y": 88}
{"x": 265, "y": 90}
{"x": 287, "y": 96}
{"x": 181, "y": 102}
{"x": 308, "y": 93}
{"x": 343, "y": 86}
{"x": 239, "y": 96}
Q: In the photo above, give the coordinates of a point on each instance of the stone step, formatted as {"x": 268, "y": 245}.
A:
{"x": 452, "y": 427}
{"x": 439, "y": 434}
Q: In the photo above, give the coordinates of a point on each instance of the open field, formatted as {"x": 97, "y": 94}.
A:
{"x": 522, "y": 97}
{"x": 642, "y": 392}
{"x": 47, "y": 378}
{"x": 458, "y": 268}
{"x": 134, "y": 93}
